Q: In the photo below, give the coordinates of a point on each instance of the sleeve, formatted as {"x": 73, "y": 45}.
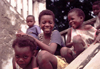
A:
{"x": 38, "y": 29}
{"x": 56, "y": 38}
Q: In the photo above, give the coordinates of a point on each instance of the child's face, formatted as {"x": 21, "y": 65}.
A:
{"x": 47, "y": 24}
{"x": 23, "y": 56}
{"x": 96, "y": 9}
{"x": 30, "y": 21}
{"x": 75, "y": 20}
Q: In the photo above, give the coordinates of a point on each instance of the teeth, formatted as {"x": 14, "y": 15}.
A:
{"x": 46, "y": 29}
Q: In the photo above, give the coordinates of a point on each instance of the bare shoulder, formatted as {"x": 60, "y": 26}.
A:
{"x": 69, "y": 29}
{"x": 99, "y": 15}
{"x": 87, "y": 27}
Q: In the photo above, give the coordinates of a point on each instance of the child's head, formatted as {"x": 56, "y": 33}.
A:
{"x": 30, "y": 20}
{"x": 96, "y": 7}
{"x": 76, "y": 17}
{"x": 47, "y": 21}
{"x": 24, "y": 47}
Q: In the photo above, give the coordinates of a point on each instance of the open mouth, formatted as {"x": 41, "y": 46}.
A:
{"x": 47, "y": 29}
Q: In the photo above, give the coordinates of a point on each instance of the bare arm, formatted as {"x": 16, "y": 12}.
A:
{"x": 13, "y": 62}
{"x": 52, "y": 48}
{"x": 98, "y": 27}
{"x": 97, "y": 39}
{"x": 68, "y": 41}
{"x": 34, "y": 63}
{"x": 90, "y": 21}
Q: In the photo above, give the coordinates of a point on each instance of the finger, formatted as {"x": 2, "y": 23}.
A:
{"x": 95, "y": 42}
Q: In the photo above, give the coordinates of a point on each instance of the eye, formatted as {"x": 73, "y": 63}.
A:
{"x": 43, "y": 22}
{"x": 50, "y": 22}
{"x": 25, "y": 57}
{"x": 16, "y": 56}
{"x": 72, "y": 18}
{"x": 31, "y": 21}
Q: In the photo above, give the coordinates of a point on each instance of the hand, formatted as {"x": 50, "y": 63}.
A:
{"x": 97, "y": 40}
{"x": 19, "y": 33}
{"x": 69, "y": 44}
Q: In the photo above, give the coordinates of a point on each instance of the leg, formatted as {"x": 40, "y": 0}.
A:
{"x": 46, "y": 60}
{"x": 67, "y": 54}
{"x": 78, "y": 44}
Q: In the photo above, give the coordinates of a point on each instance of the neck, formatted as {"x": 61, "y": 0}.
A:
{"x": 81, "y": 26}
{"x": 47, "y": 35}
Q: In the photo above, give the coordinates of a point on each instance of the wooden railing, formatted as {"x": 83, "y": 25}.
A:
{"x": 88, "y": 59}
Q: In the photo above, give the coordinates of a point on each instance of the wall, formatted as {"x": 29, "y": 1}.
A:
{"x": 10, "y": 22}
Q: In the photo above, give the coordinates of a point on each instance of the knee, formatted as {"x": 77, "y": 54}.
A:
{"x": 77, "y": 39}
{"x": 41, "y": 56}
{"x": 64, "y": 51}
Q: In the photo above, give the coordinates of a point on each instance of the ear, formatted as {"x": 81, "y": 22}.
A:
{"x": 81, "y": 17}
{"x": 35, "y": 52}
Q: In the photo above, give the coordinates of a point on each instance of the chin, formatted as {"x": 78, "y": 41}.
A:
{"x": 47, "y": 32}
{"x": 22, "y": 66}
{"x": 74, "y": 27}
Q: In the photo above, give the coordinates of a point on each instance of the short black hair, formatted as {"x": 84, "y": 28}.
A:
{"x": 46, "y": 12}
{"x": 96, "y": 3}
{"x": 31, "y": 16}
{"x": 78, "y": 11}
{"x": 25, "y": 41}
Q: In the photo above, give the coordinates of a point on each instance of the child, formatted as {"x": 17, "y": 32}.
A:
{"x": 33, "y": 30}
{"x": 79, "y": 36}
{"x": 96, "y": 10}
{"x": 50, "y": 43}
{"x": 24, "y": 47}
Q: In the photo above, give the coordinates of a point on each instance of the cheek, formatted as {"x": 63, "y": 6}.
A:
{"x": 28, "y": 60}
{"x": 52, "y": 25}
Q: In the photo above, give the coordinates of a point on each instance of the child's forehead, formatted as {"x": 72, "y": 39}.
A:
{"x": 30, "y": 17}
{"x": 22, "y": 49}
{"x": 96, "y": 6}
{"x": 47, "y": 17}
{"x": 73, "y": 13}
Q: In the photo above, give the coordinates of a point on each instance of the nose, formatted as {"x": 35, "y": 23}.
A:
{"x": 47, "y": 24}
{"x": 21, "y": 60}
